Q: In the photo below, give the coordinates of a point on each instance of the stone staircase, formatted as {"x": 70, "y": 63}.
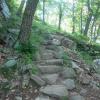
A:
{"x": 58, "y": 79}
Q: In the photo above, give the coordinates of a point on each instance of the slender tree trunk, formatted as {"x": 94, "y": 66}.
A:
{"x": 60, "y": 17}
{"x": 26, "y": 25}
{"x": 73, "y": 18}
{"x": 96, "y": 15}
{"x": 88, "y": 19}
{"x": 81, "y": 20}
{"x": 20, "y": 9}
{"x": 43, "y": 11}
{"x": 98, "y": 33}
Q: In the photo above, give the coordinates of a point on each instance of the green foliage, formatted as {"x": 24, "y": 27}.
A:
{"x": 66, "y": 59}
{"x": 8, "y": 72}
{"x": 86, "y": 57}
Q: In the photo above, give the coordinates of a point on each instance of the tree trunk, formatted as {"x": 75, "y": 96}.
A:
{"x": 26, "y": 25}
{"x": 88, "y": 19}
{"x": 60, "y": 17}
{"x": 81, "y": 20}
{"x": 96, "y": 16}
{"x": 73, "y": 18}
{"x": 98, "y": 33}
{"x": 20, "y": 9}
{"x": 43, "y": 11}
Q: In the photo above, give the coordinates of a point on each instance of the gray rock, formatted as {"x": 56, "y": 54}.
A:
{"x": 68, "y": 73}
{"x": 97, "y": 65}
{"x": 56, "y": 42}
{"x": 85, "y": 78}
{"x": 42, "y": 98}
{"x": 18, "y": 98}
{"x": 55, "y": 91}
{"x": 5, "y": 9}
{"x": 47, "y": 56}
{"x": 97, "y": 76}
{"x": 76, "y": 67}
{"x": 83, "y": 92}
{"x": 69, "y": 83}
{"x": 66, "y": 42}
{"x": 50, "y": 69}
{"x": 50, "y": 78}
{"x": 38, "y": 80}
{"x": 14, "y": 31}
{"x": 77, "y": 97}
{"x": 59, "y": 52}
{"x": 52, "y": 62}
{"x": 25, "y": 80}
{"x": 10, "y": 63}
{"x": 97, "y": 62}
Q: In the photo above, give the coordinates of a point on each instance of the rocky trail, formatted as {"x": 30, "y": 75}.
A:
{"x": 56, "y": 80}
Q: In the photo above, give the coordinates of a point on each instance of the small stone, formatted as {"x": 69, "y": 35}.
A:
{"x": 69, "y": 83}
{"x": 55, "y": 91}
{"x": 38, "y": 80}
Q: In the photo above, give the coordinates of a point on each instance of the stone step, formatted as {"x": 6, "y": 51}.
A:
{"x": 50, "y": 69}
{"x": 52, "y": 62}
{"x": 46, "y": 56}
{"x": 58, "y": 91}
{"x": 50, "y": 78}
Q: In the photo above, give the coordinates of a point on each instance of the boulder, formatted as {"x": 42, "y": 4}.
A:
{"x": 69, "y": 83}
{"x": 68, "y": 73}
{"x": 10, "y": 63}
{"x": 66, "y": 42}
{"x": 59, "y": 91}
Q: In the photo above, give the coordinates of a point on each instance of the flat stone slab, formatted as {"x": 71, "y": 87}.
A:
{"x": 42, "y": 98}
{"x": 38, "y": 80}
{"x": 77, "y": 97}
{"x": 52, "y": 62}
{"x": 50, "y": 69}
{"x": 55, "y": 91}
{"x": 50, "y": 78}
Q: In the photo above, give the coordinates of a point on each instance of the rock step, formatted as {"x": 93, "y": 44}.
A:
{"x": 59, "y": 91}
{"x": 50, "y": 69}
{"x": 52, "y": 62}
{"x": 50, "y": 78}
{"x": 46, "y": 56}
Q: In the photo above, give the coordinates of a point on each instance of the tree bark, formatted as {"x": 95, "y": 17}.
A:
{"x": 26, "y": 25}
{"x": 20, "y": 9}
{"x": 43, "y": 11}
{"x": 81, "y": 20}
{"x": 60, "y": 17}
{"x": 88, "y": 19}
{"x": 73, "y": 18}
